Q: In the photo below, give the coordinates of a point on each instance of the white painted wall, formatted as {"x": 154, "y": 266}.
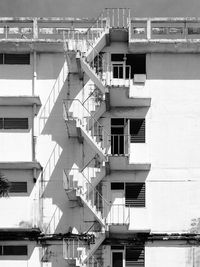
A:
{"x": 172, "y": 147}
{"x": 171, "y": 254}
{"x": 16, "y": 79}
{"x": 17, "y": 209}
{"x": 16, "y": 144}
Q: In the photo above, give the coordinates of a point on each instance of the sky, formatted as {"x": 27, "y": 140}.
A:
{"x": 92, "y": 8}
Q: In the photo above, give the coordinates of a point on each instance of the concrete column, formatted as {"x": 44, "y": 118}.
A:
{"x": 35, "y": 28}
{"x": 148, "y": 29}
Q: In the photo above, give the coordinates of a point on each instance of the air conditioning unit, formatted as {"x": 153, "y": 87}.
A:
{"x": 139, "y": 78}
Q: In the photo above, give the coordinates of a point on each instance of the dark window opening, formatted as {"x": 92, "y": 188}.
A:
{"x": 133, "y": 64}
{"x": 117, "y": 121}
{"x": 135, "y": 256}
{"x": 1, "y": 123}
{"x": 117, "y": 259}
{"x": 15, "y": 123}
{"x": 14, "y": 250}
{"x": 137, "y": 130}
{"x": 19, "y": 59}
{"x": 117, "y": 57}
{"x": 18, "y": 187}
{"x": 117, "y": 186}
{"x": 135, "y": 194}
{"x": 117, "y": 247}
{"x": 137, "y": 63}
{"x": 1, "y": 58}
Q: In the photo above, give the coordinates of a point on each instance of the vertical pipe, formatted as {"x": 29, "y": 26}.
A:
{"x": 34, "y": 79}
{"x": 33, "y": 132}
{"x": 118, "y": 17}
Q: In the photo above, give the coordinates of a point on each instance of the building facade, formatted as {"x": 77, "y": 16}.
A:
{"x": 99, "y": 138}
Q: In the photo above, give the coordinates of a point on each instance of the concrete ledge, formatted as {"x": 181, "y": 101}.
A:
{"x": 19, "y": 233}
{"x": 21, "y": 101}
{"x": 16, "y": 165}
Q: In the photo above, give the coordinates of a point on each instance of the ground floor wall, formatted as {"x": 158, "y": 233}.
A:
{"x": 156, "y": 254}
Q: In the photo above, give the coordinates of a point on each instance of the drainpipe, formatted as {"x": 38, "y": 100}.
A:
{"x": 33, "y": 132}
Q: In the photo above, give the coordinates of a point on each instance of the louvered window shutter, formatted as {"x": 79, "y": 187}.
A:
{"x": 135, "y": 256}
{"x": 137, "y": 130}
{"x": 18, "y": 187}
{"x": 135, "y": 195}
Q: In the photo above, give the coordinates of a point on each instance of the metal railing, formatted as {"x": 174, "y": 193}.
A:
{"x": 53, "y": 96}
{"x": 118, "y": 17}
{"x": 118, "y": 75}
{"x": 74, "y": 109}
{"x": 118, "y": 214}
{"x": 49, "y": 168}
{"x": 73, "y": 248}
{"x": 114, "y": 144}
{"x": 93, "y": 100}
{"x": 54, "y": 221}
{"x": 120, "y": 144}
{"x": 115, "y": 214}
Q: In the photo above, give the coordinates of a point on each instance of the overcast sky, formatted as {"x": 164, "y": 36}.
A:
{"x": 91, "y": 8}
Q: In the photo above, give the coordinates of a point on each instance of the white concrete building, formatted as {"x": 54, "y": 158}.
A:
{"x": 99, "y": 137}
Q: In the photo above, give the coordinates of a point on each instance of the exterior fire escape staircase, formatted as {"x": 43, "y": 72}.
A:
{"x": 81, "y": 184}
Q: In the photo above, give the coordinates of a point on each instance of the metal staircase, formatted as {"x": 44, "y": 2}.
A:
{"x": 87, "y": 126}
{"x": 83, "y": 117}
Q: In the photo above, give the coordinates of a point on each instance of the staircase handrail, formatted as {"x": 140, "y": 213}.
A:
{"x": 75, "y": 99}
{"x": 53, "y": 216}
{"x": 50, "y": 93}
{"x": 96, "y": 190}
{"x": 88, "y": 163}
{"x": 45, "y": 168}
{"x": 101, "y": 15}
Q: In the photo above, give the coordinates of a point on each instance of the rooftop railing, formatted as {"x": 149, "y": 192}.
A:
{"x": 139, "y": 28}
{"x": 164, "y": 28}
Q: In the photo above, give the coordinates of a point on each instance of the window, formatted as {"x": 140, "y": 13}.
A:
{"x": 18, "y": 187}
{"x": 137, "y": 130}
{"x": 127, "y": 65}
{"x": 117, "y": 186}
{"x": 19, "y": 59}
{"x": 135, "y": 195}
{"x": 135, "y": 256}
{"x": 13, "y": 123}
{"x": 137, "y": 63}
{"x": 13, "y": 250}
{"x": 1, "y": 58}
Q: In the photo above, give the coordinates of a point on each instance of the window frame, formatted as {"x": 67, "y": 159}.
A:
{"x": 124, "y": 190}
{"x": 2, "y": 250}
